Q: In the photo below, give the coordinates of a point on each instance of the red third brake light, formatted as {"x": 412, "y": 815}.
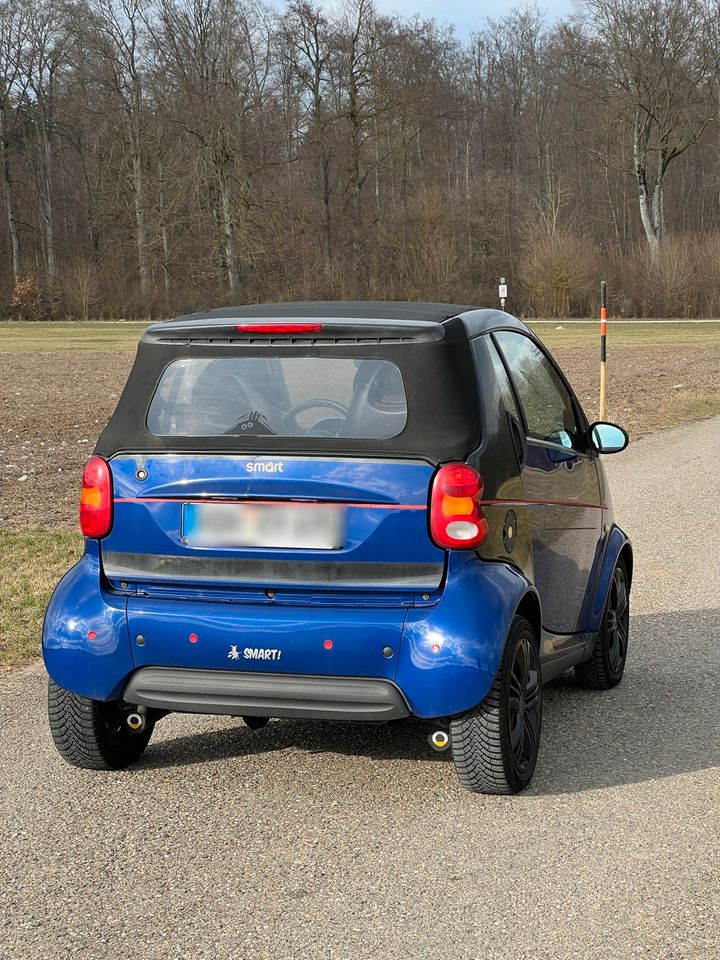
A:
{"x": 96, "y": 506}
{"x": 456, "y": 520}
{"x": 279, "y": 327}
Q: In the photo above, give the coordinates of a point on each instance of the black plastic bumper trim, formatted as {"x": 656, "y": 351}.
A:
{"x": 297, "y": 573}
{"x": 367, "y": 700}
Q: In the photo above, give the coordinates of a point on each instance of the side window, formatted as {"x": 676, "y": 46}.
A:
{"x": 545, "y": 399}
{"x": 506, "y": 390}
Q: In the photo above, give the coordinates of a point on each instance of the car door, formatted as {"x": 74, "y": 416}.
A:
{"x": 560, "y": 483}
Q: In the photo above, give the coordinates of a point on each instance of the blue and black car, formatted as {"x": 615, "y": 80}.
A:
{"x": 341, "y": 511}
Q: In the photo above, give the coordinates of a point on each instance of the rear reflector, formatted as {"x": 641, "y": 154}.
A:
{"x": 456, "y": 520}
{"x": 279, "y": 328}
{"x": 96, "y": 506}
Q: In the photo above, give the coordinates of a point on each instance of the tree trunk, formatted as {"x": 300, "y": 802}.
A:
{"x": 165, "y": 237}
{"x": 229, "y": 231}
{"x": 139, "y": 198}
{"x": 649, "y": 204}
{"x": 46, "y": 202}
{"x": 7, "y": 193}
{"x": 327, "y": 215}
{"x": 48, "y": 211}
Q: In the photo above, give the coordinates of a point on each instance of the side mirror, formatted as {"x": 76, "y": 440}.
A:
{"x": 607, "y": 437}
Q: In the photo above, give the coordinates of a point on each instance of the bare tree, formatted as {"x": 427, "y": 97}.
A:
{"x": 216, "y": 64}
{"x": 160, "y": 155}
{"x": 44, "y": 57}
{"x": 115, "y": 29}
{"x": 82, "y": 287}
{"x": 13, "y": 39}
{"x": 658, "y": 60}
{"x": 306, "y": 43}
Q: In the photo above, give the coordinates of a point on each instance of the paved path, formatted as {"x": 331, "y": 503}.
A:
{"x": 309, "y": 842}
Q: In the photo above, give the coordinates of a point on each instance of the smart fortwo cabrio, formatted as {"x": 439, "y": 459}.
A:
{"x": 341, "y": 512}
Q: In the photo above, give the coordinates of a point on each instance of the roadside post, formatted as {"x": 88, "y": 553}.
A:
{"x": 502, "y": 292}
{"x": 603, "y": 346}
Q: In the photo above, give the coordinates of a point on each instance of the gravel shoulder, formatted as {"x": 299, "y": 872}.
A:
{"x": 324, "y": 841}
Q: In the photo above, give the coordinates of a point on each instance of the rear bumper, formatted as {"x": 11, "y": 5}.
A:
{"x": 266, "y": 695}
{"x": 440, "y": 657}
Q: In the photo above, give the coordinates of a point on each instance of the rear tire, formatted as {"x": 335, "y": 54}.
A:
{"x": 605, "y": 667}
{"x": 495, "y": 745}
{"x": 93, "y": 733}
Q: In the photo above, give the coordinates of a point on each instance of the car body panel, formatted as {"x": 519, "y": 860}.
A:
{"x": 613, "y": 543}
{"x": 468, "y": 626}
{"x": 468, "y": 622}
{"x": 227, "y": 636}
{"x": 90, "y": 666}
{"x": 387, "y": 545}
{"x": 565, "y": 514}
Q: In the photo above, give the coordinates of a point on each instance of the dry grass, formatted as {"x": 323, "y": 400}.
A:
{"x": 81, "y": 337}
{"x": 31, "y": 563}
{"x": 71, "y": 336}
{"x": 648, "y": 333}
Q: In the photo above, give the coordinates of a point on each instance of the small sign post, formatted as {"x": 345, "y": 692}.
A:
{"x": 502, "y": 292}
{"x": 603, "y": 345}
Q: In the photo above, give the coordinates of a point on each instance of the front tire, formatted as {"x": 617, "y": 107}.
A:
{"x": 93, "y": 734}
{"x": 495, "y": 745}
{"x": 605, "y": 667}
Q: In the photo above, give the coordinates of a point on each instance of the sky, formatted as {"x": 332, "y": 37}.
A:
{"x": 467, "y": 16}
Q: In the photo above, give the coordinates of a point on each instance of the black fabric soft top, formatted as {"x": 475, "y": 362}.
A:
{"x": 329, "y": 309}
{"x": 433, "y": 354}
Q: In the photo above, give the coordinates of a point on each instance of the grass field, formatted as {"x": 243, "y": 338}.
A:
{"x": 119, "y": 335}
{"x": 31, "y": 563}
{"x": 50, "y": 337}
{"x": 625, "y": 334}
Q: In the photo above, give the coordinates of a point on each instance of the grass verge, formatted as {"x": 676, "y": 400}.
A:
{"x": 646, "y": 334}
{"x": 115, "y": 335}
{"x": 31, "y": 563}
{"x": 73, "y": 337}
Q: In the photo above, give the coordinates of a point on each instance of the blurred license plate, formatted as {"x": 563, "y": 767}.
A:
{"x": 305, "y": 526}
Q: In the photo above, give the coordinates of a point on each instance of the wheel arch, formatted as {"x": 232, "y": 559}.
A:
{"x": 451, "y": 651}
{"x": 616, "y": 546}
{"x": 529, "y": 607}
{"x": 626, "y": 554}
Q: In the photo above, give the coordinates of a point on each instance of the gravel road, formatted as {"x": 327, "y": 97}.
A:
{"x": 309, "y": 841}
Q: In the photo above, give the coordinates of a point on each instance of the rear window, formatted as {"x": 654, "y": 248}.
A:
{"x": 282, "y": 397}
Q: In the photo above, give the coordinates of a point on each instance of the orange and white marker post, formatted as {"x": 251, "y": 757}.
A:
{"x": 603, "y": 345}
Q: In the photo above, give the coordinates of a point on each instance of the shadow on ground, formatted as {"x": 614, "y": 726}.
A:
{"x": 659, "y": 722}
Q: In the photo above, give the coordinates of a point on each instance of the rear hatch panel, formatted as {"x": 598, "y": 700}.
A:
{"x": 386, "y": 546}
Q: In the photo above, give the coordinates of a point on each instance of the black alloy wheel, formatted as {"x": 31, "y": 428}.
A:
{"x": 524, "y": 699}
{"x": 495, "y": 745}
{"x": 605, "y": 667}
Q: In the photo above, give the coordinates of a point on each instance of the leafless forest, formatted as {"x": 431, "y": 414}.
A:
{"x": 162, "y": 155}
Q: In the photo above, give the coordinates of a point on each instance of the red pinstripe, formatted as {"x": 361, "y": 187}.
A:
{"x": 364, "y": 506}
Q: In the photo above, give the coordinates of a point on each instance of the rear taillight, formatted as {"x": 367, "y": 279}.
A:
{"x": 96, "y": 506}
{"x": 279, "y": 328}
{"x": 456, "y": 520}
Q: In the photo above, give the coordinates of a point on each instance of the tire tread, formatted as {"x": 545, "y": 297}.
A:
{"x": 79, "y": 736}
{"x": 477, "y": 739}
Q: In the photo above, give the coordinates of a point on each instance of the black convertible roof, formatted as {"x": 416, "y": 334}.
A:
{"x": 428, "y": 342}
{"x": 413, "y": 317}
{"x": 335, "y": 310}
